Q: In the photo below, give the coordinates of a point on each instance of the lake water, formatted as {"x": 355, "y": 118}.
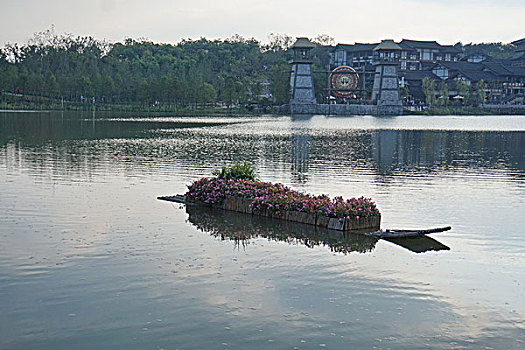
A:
{"x": 90, "y": 259}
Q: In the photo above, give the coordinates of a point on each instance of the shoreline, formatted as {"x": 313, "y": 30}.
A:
{"x": 435, "y": 111}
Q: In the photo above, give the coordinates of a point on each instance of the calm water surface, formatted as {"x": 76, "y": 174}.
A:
{"x": 90, "y": 259}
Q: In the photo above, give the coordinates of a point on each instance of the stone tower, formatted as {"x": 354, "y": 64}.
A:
{"x": 386, "y": 82}
{"x": 302, "y": 94}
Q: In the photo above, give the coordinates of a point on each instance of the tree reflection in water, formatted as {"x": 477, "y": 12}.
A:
{"x": 241, "y": 228}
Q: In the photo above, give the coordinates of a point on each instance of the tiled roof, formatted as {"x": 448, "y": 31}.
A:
{"x": 472, "y": 71}
{"x": 519, "y": 56}
{"x": 479, "y": 75}
{"x": 450, "y": 49}
{"x": 387, "y": 45}
{"x": 461, "y": 65}
{"x": 405, "y": 44}
{"x": 518, "y": 71}
{"x": 418, "y": 75}
{"x": 497, "y": 68}
{"x": 519, "y": 42}
{"x": 356, "y": 47}
{"x": 416, "y": 44}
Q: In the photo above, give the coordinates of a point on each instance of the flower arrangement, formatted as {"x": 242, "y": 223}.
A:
{"x": 277, "y": 198}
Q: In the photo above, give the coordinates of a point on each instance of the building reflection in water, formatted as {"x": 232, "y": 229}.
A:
{"x": 300, "y": 139}
{"x": 397, "y": 150}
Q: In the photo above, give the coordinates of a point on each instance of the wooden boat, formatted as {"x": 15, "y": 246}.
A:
{"x": 387, "y": 234}
{"x": 406, "y": 233}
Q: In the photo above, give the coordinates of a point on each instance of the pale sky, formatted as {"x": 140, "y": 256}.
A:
{"x": 348, "y": 21}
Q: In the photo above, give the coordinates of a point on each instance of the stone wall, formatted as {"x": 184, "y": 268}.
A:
{"x": 353, "y": 109}
{"x": 389, "y": 110}
{"x": 349, "y": 110}
{"x": 303, "y": 108}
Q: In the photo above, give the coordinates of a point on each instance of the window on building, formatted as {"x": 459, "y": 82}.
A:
{"x": 404, "y": 65}
{"x": 447, "y": 57}
{"x": 475, "y": 58}
{"x": 426, "y": 55}
{"x": 441, "y": 72}
{"x": 463, "y": 79}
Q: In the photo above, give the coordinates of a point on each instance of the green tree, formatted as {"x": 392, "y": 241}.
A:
{"x": 464, "y": 90}
{"x": 443, "y": 99}
{"x": 143, "y": 91}
{"x": 208, "y": 93}
{"x": 229, "y": 91}
{"x": 403, "y": 92}
{"x": 478, "y": 95}
{"x": 189, "y": 73}
{"x": 429, "y": 89}
{"x": 51, "y": 84}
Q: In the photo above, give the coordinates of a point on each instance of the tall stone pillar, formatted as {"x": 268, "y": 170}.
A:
{"x": 386, "y": 81}
{"x": 302, "y": 93}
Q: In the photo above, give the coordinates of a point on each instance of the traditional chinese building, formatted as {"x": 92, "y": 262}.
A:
{"x": 413, "y": 54}
{"x": 504, "y": 78}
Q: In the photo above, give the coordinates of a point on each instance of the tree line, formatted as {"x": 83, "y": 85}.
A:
{"x": 190, "y": 73}
{"x": 193, "y": 73}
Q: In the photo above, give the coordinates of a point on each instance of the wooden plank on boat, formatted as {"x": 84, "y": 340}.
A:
{"x": 177, "y": 198}
{"x": 406, "y": 233}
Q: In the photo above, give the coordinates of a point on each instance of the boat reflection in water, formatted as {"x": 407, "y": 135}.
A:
{"x": 241, "y": 228}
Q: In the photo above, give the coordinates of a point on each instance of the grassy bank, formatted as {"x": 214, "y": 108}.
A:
{"x": 103, "y": 107}
{"x": 468, "y": 110}
{"x": 54, "y": 105}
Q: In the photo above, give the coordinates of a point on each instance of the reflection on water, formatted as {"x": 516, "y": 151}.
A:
{"x": 90, "y": 258}
{"x": 399, "y": 150}
{"x": 300, "y": 152}
{"x": 241, "y": 228}
{"x": 38, "y": 128}
{"x": 305, "y": 145}
{"x": 419, "y": 244}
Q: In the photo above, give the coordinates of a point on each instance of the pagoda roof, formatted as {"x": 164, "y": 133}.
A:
{"x": 303, "y": 43}
{"x": 387, "y": 44}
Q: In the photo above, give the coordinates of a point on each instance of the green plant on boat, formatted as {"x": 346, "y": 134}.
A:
{"x": 239, "y": 171}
